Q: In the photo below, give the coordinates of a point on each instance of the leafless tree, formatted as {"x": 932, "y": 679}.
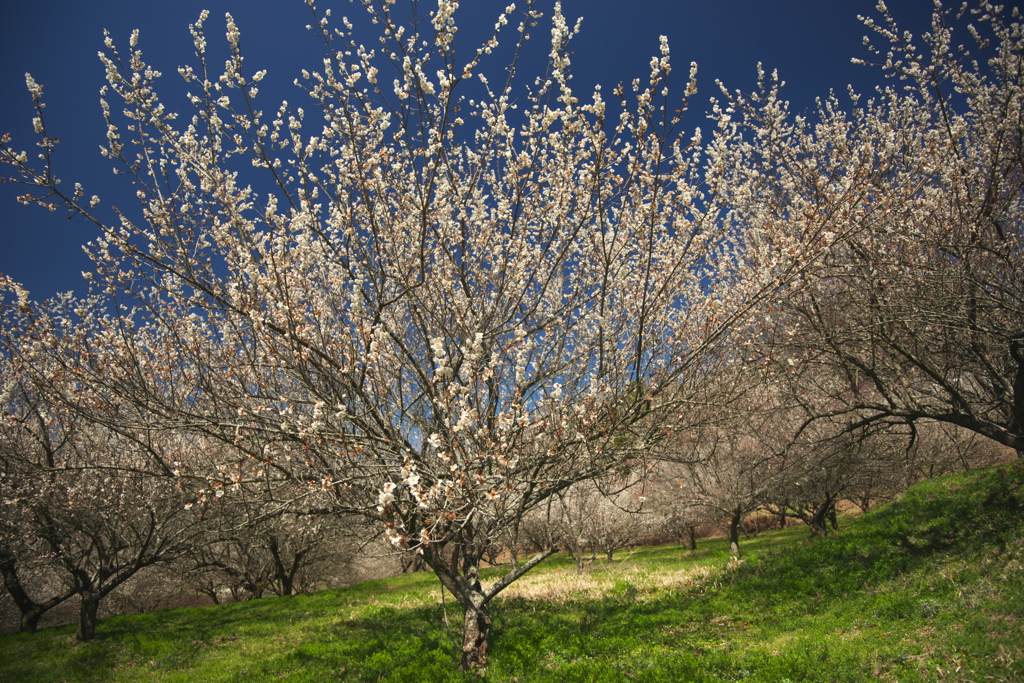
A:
{"x": 246, "y": 554}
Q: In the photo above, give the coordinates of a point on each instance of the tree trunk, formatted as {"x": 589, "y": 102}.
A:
{"x": 734, "y": 532}
{"x": 692, "y": 532}
{"x": 513, "y": 548}
{"x": 87, "y": 616}
{"x": 412, "y": 564}
{"x": 31, "y": 611}
{"x": 212, "y": 593}
{"x": 817, "y": 521}
{"x": 581, "y": 560}
{"x": 283, "y": 580}
{"x": 476, "y": 626}
{"x": 30, "y": 621}
{"x": 459, "y": 572}
{"x": 1017, "y": 351}
{"x": 476, "y": 622}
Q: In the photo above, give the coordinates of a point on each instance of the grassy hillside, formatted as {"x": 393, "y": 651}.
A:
{"x": 930, "y": 588}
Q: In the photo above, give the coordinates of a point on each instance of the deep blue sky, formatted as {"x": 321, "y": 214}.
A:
{"x": 810, "y": 42}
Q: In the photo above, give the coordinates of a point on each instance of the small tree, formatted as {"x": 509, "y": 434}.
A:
{"x": 730, "y": 455}
{"x": 591, "y": 517}
{"x": 247, "y": 554}
{"x": 677, "y": 508}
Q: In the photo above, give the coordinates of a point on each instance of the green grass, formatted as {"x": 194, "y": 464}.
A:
{"x": 930, "y": 588}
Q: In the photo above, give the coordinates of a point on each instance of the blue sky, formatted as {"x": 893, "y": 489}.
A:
{"x": 810, "y": 42}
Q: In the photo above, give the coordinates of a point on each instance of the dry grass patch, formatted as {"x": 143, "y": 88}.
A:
{"x": 563, "y": 585}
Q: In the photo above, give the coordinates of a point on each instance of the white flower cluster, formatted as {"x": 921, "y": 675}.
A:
{"x": 386, "y": 497}
{"x": 467, "y": 419}
{"x": 442, "y": 371}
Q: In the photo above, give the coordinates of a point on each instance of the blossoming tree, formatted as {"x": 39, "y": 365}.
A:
{"x": 421, "y": 297}
{"x": 917, "y": 315}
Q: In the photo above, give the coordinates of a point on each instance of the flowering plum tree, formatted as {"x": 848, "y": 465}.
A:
{"x": 420, "y": 297}
{"x": 917, "y": 315}
{"x": 29, "y": 440}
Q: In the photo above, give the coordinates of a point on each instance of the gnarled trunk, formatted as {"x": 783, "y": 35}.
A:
{"x": 30, "y": 621}
{"x": 1017, "y": 351}
{"x": 476, "y": 626}
{"x": 817, "y": 521}
{"x": 691, "y": 537}
{"x": 31, "y": 611}
{"x": 285, "y": 574}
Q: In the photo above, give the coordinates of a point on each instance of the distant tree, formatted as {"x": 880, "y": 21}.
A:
{"x": 732, "y": 463}
{"x": 622, "y": 518}
{"x": 592, "y": 517}
{"x": 92, "y": 501}
{"x": 246, "y": 554}
{"x": 677, "y": 509}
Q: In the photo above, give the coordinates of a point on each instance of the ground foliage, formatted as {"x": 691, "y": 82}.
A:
{"x": 929, "y": 588}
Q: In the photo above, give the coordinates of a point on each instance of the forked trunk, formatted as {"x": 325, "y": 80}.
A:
{"x": 459, "y": 572}
{"x": 285, "y": 578}
{"x": 817, "y": 521}
{"x": 30, "y": 621}
{"x": 817, "y": 525}
{"x": 31, "y": 611}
